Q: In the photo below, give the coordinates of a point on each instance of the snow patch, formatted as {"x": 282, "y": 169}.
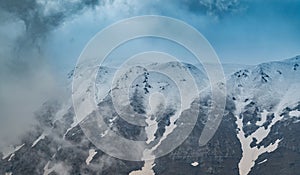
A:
{"x": 11, "y": 151}
{"x": 262, "y": 161}
{"x": 263, "y": 119}
{"x": 295, "y": 113}
{"x": 42, "y": 136}
{"x": 92, "y": 153}
{"x": 11, "y": 156}
{"x": 146, "y": 170}
{"x": 251, "y": 154}
{"x": 195, "y": 164}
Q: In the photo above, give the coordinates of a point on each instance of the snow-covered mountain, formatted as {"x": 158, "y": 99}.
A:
{"x": 259, "y": 132}
{"x": 262, "y": 94}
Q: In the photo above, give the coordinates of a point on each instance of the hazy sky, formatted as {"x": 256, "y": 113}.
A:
{"x": 242, "y": 32}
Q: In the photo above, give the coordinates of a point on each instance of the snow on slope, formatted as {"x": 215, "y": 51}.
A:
{"x": 268, "y": 88}
{"x": 11, "y": 150}
{"x": 155, "y": 87}
{"x": 260, "y": 92}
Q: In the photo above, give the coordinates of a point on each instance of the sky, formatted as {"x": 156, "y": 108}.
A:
{"x": 241, "y": 32}
{"x": 41, "y": 40}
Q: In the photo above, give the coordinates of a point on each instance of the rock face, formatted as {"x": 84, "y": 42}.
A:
{"x": 259, "y": 132}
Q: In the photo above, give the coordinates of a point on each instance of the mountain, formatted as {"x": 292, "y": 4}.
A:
{"x": 258, "y": 134}
{"x": 267, "y": 99}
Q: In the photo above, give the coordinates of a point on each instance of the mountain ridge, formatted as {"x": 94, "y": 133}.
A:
{"x": 262, "y": 112}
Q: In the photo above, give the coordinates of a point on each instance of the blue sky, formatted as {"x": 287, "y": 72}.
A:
{"x": 241, "y": 32}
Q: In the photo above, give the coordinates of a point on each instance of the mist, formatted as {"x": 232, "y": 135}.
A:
{"x": 27, "y": 78}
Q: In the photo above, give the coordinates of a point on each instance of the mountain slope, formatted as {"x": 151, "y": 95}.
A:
{"x": 258, "y": 133}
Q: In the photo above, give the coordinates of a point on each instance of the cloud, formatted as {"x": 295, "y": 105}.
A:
{"x": 215, "y": 7}
{"x": 27, "y": 79}
{"x": 41, "y": 16}
{"x": 26, "y": 82}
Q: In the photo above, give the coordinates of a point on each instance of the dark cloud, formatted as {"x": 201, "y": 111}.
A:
{"x": 38, "y": 18}
{"x": 41, "y": 17}
{"x": 216, "y": 8}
